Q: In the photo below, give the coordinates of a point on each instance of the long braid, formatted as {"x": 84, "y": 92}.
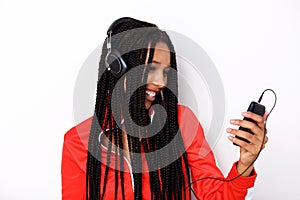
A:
{"x": 165, "y": 182}
{"x": 134, "y": 130}
{"x": 119, "y": 142}
{"x": 109, "y": 116}
{"x": 93, "y": 164}
{"x": 153, "y": 158}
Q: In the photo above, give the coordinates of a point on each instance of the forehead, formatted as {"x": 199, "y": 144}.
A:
{"x": 162, "y": 54}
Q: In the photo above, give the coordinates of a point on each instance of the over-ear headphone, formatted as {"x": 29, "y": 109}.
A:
{"x": 113, "y": 60}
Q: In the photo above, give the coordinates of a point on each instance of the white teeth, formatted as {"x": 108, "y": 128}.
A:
{"x": 150, "y": 93}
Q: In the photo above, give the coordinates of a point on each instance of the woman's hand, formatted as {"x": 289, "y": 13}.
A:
{"x": 248, "y": 151}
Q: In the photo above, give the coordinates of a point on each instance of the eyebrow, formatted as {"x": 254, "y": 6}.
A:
{"x": 154, "y": 61}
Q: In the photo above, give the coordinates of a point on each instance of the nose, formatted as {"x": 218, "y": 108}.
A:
{"x": 158, "y": 79}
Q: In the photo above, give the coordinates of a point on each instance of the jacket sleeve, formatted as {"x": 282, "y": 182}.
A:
{"x": 206, "y": 176}
{"x": 72, "y": 174}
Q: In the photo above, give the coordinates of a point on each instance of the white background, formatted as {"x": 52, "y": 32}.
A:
{"x": 254, "y": 45}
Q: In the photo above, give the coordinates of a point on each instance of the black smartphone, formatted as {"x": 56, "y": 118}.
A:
{"x": 256, "y": 108}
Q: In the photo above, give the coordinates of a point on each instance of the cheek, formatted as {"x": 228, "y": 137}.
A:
{"x": 149, "y": 78}
{"x": 165, "y": 80}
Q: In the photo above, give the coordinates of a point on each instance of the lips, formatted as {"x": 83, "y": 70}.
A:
{"x": 150, "y": 94}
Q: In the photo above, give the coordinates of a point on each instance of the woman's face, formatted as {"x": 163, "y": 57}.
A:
{"x": 158, "y": 73}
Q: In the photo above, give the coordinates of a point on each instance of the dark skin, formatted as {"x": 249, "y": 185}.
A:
{"x": 248, "y": 151}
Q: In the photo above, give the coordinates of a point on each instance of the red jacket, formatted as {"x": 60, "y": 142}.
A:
{"x": 200, "y": 158}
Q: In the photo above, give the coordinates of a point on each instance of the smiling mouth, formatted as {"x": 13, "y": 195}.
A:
{"x": 150, "y": 95}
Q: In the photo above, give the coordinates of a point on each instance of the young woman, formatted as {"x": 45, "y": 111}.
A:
{"x": 140, "y": 144}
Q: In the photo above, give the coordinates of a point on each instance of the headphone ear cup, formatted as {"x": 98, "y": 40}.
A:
{"x": 115, "y": 63}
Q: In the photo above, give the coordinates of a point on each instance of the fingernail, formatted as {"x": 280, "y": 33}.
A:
{"x": 228, "y": 130}
{"x": 245, "y": 114}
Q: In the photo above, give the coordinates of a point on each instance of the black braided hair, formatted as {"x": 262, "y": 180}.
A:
{"x": 166, "y": 181}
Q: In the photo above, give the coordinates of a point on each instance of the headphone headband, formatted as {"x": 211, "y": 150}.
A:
{"x": 118, "y": 22}
{"x": 113, "y": 60}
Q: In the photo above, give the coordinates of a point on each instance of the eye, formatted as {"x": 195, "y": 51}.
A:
{"x": 167, "y": 71}
{"x": 151, "y": 68}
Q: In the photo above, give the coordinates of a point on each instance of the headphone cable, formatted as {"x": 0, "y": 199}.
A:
{"x": 261, "y": 147}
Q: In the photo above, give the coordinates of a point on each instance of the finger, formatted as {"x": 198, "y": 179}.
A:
{"x": 257, "y": 118}
{"x": 247, "y": 124}
{"x": 239, "y": 142}
{"x": 248, "y": 147}
{"x": 266, "y": 140}
{"x": 253, "y": 116}
{"x": 260, "y": 143}
{"x": 266, "y": 115}
{"x": 253, "y": 139}
{"x": 263, "y": 147}
{"x": 240, "y": 133}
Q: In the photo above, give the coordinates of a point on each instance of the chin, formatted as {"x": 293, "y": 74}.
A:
{"x": 148, "y": 105}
